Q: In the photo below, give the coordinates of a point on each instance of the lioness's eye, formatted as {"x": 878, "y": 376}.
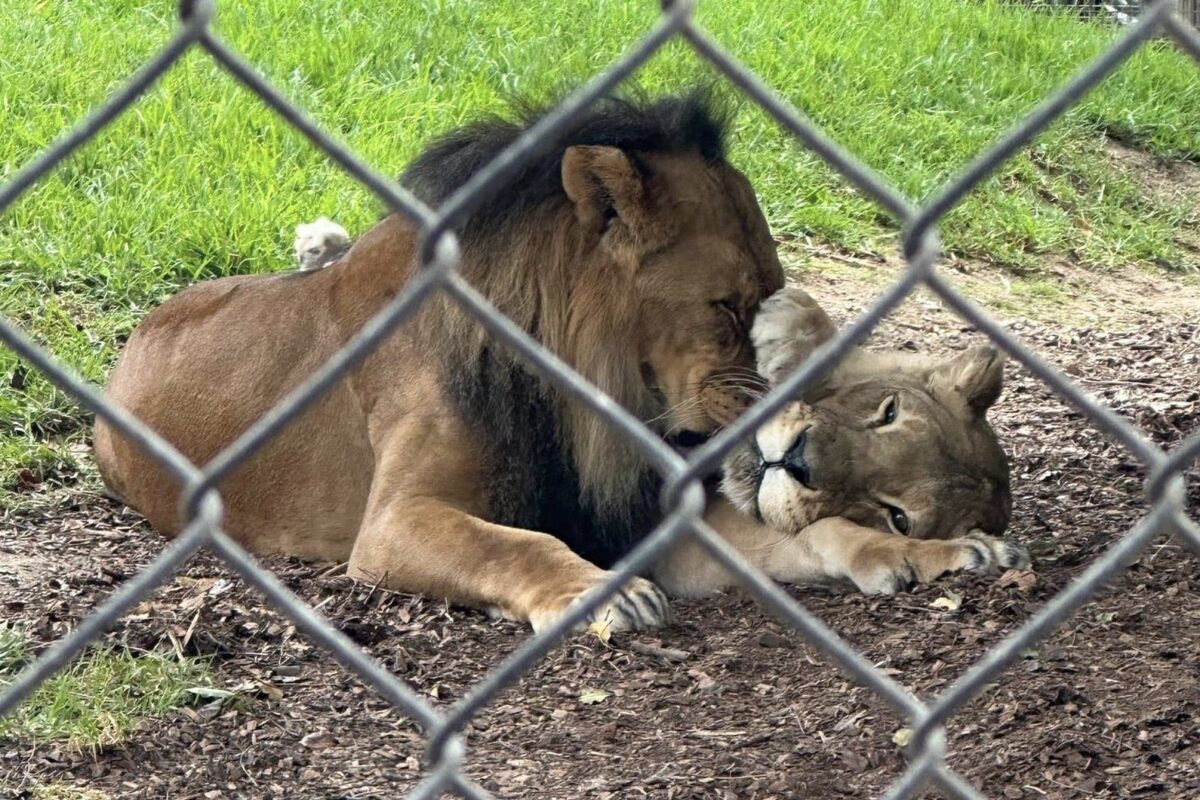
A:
{"x": 898, "y": 519}
{"x": 890, "y": 408}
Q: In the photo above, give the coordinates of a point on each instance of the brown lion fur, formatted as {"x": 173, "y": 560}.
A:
{"x": 587, "y": 317}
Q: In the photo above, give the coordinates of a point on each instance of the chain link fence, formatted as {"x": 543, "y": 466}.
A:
{"x": 1119, "y": 12}
{"x": 683, "y": 493}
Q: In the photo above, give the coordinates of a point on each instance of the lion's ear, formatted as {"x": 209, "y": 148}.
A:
{"x": 973, "y": 379}
{"x": 603, "y": 184}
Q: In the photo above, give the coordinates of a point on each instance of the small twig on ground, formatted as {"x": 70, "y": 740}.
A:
{"x": 332, "y": 568}
{"x": 655, "y": 650}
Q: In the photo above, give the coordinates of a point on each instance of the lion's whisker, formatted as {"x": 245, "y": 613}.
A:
{"x": 747, "y": 374}
{"x": 748, "y": 388}
{"x": 745, "y": 378}
{"x": 689, "y": 402}
{"x": 734, "y": 382}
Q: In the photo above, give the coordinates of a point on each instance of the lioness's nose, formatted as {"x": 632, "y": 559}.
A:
{"x": 795, "y": 463}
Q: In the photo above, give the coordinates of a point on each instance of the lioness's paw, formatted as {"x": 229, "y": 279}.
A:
{"x": 975, "y": 552}
{"x": 886, "y": 578}
{"x": 901, "y": 567}
{"x": 788, "y": 327}
{"x": 639, "y": 605}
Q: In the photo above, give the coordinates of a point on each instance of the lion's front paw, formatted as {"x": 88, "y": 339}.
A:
{"x": 1001, "y": 553}
{"x": 906, "y": 562}
{"x": 639, "y": 605}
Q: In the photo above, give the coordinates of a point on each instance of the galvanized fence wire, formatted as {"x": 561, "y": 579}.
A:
{"x": 683, "y": 496}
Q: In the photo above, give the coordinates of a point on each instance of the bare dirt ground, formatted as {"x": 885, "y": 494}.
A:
{"x": 1108, "y": 707}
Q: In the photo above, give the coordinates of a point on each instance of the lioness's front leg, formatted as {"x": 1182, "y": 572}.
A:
{"x": 885, "y": 563}
{"x": 830, "y": 550}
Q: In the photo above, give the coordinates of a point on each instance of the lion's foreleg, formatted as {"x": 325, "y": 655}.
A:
{"x": 435, "y": 549}
{"x": 425, "y": 528}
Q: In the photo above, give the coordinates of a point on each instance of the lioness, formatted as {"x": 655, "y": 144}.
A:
{"x": 885, "y": 474}
{"x": 442, "y": 465}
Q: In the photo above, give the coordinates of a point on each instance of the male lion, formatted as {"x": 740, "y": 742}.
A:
{"x": 442, "y": 465}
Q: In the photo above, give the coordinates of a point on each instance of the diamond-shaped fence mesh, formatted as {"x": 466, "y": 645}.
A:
{"x": 1119, "y": 12}
{"x": 683, "y": 495}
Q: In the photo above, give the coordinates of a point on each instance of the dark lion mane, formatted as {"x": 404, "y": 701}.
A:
{"x": 549, "y": 464}
{"x": 694, "y": 122}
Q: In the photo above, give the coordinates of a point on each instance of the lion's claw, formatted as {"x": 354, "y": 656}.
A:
{"x": 1002, "y": 553}
{"x": 638, "y": 605}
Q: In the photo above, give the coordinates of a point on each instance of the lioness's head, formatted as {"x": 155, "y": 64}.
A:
{"x": 901, "y": 446}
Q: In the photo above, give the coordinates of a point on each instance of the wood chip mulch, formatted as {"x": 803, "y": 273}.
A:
{"x": 726, "y": 704}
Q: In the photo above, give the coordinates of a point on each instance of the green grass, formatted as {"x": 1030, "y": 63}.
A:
{"x": 200, "y": 180}
{"x": 99, "y": 698}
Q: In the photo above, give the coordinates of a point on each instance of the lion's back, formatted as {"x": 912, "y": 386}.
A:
{"x": 226, "y": 351}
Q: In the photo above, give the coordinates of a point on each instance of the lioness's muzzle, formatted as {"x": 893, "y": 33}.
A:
{"x": 793, "y": 461}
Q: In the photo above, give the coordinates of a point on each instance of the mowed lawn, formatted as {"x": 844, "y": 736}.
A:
{"x": 200, "y": 180}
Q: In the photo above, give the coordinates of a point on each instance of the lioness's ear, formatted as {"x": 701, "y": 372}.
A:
{"x": 602, "y": 183}
{"x": 973, "y": 378}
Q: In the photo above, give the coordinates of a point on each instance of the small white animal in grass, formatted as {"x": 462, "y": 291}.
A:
{"x": 319, "y": 243}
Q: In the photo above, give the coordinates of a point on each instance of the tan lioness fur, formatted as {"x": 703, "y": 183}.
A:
{"x": 632, "y": 250}
{"x": 884, "y": 474}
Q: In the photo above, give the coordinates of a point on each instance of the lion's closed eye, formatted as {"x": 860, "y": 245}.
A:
{"x": 729, "y": 309}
